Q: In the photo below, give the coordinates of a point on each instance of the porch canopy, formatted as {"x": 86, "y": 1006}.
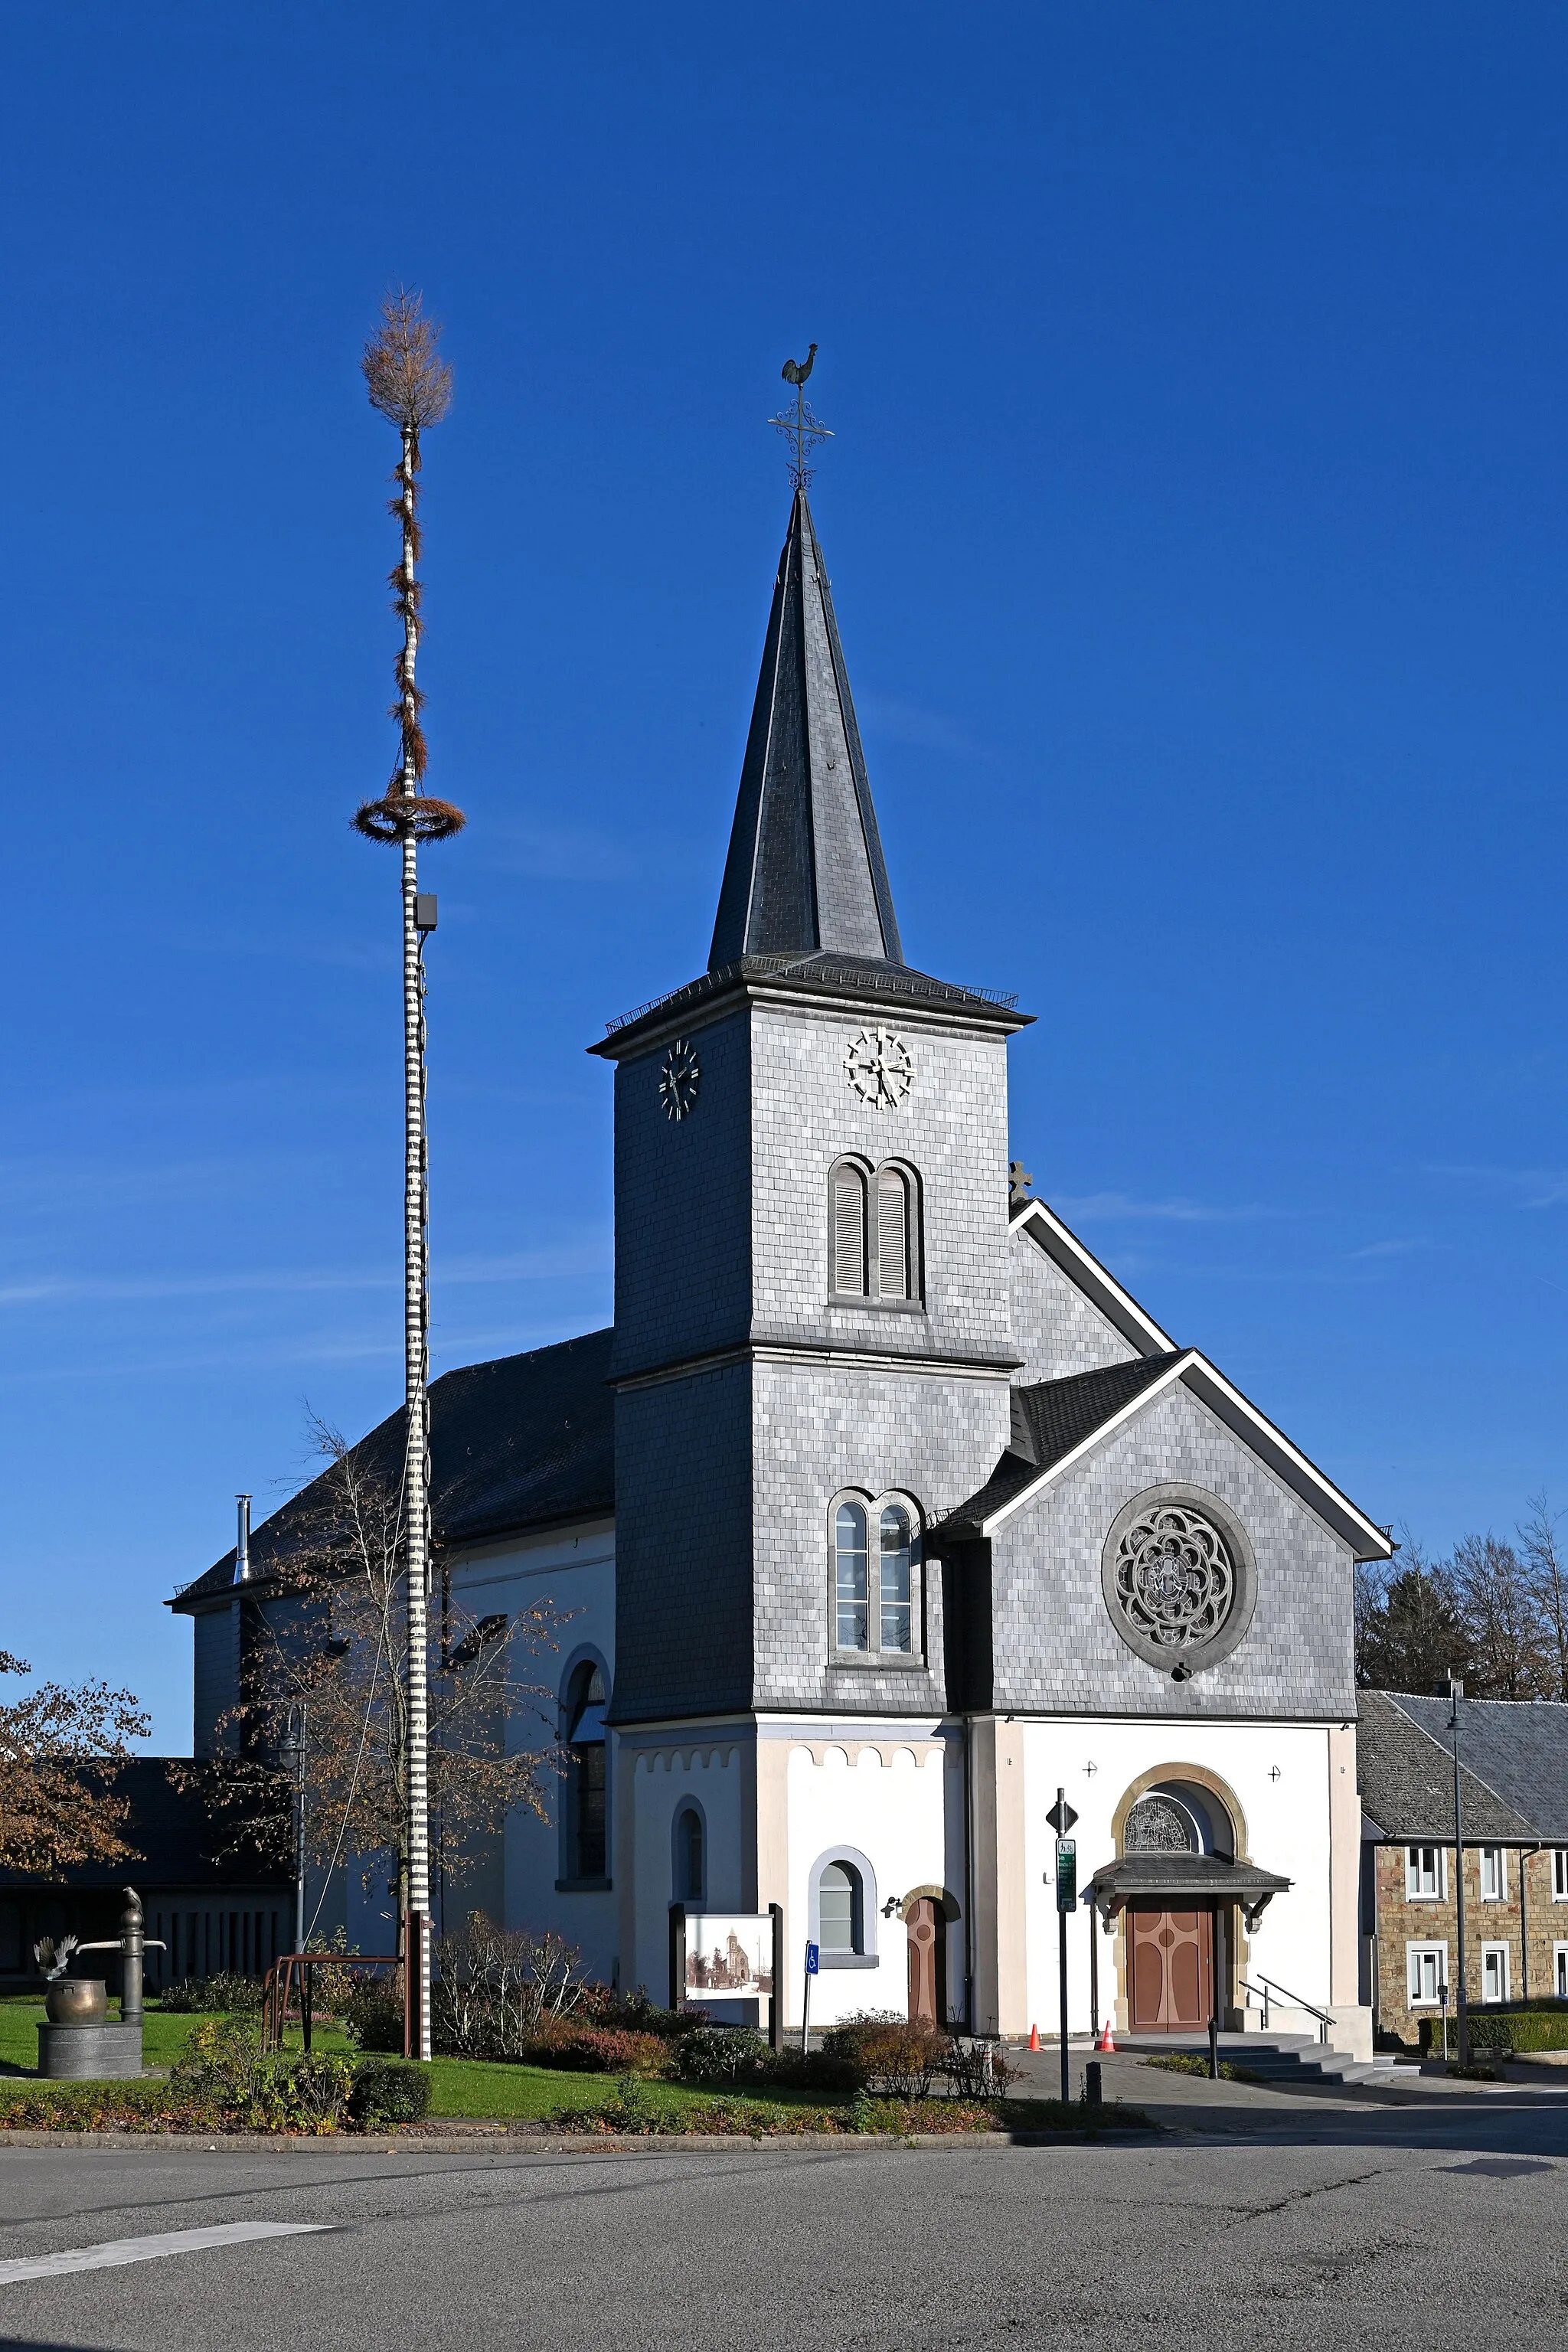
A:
{"x": 1184, "y": 1882}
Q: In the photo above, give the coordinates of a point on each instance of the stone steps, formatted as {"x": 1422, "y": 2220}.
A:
{"x": 1286, "y": 2058}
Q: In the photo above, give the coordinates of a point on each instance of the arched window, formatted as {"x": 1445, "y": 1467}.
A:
{"x": 841, "y": 1908}
{"x": 894, "y": 1268}
{"x": 586, "y": 1781}
{"x": 851, "y": 1589}
{"x": 874, "y": 1241}
{"x": 848, "y": 1239}
{"x": 691, "y": 1883}
{"x": 875, "y": 1600}
{"x": 897, "y": 1614}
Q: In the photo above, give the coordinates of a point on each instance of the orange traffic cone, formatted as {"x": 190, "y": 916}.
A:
{"x": 1107, "y": 2039}
{"x": 1033, "y": 2037}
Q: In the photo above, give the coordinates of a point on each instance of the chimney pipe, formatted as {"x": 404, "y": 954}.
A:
{"x": 242, "y": 1548}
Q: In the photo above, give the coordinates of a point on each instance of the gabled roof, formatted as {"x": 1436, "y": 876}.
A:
{"x": 1098, "y": 1284}
{"x": 1406, "y": 1775}
{"x": 523, "y": 1442}
{"x": 806, "y": 868}
{"x": 1512, "y": 1753}
{"x": 1051, "y": 1421}
{"x": 1065, "y": 1420}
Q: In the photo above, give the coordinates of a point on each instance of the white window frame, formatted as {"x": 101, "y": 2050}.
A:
{"x": 1497, "y": 1857}
{"x": 1414, "y": 1891}
{"x": 1560, "y": 1874}
{"x": 1414, "y": 1952}
{"x": 1560, "y": 1971}
{"x": 912, "y": 1661}
{"x": 1500, "y": 1954}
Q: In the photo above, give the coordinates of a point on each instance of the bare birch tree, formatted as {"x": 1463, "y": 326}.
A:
{"x": 1548, "y": 1569}
{"x": 327, "y": 1632}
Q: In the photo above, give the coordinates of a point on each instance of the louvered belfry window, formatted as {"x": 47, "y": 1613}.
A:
{"x": 892, "y": 1234}
{"x": 848, "y": 1230}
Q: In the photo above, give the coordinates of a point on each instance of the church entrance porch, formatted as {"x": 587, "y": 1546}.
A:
{"x": 1170, "y": 1970}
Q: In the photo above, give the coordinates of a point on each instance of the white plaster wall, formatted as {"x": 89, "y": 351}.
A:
{"x": 663, "y": 1778}
{"x": 572, "y": 1574}
{"x": 1287, "y": 1829}
{"x": 889, "y": 1803}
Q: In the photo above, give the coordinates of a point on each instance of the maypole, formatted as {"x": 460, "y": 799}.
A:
{"x": 411, "y": 385}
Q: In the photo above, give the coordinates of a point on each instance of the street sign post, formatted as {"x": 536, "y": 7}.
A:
{"x": 1061, "y": 1818}
{"x": 1066, "y": 1873}
{"x": 813, "y": 1963}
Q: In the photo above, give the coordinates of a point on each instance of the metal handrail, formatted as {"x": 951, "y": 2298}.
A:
{"x": 1266, "y": 1985}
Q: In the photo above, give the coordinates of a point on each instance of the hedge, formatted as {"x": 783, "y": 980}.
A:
{"x": 1535, "y": 2028}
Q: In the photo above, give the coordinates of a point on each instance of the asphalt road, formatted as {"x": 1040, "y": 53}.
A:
{"x": 1393, "y": 2228}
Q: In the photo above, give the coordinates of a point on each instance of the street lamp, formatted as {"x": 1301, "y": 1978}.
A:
{"x": 1461, "y": 2003}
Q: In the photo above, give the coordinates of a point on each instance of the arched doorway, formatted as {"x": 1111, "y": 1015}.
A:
{"x": 1170, "y": 1948}
{"x": 928, "y": 1912}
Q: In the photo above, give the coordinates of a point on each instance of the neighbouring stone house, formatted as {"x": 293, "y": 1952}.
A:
{"x": 1513, "y": 1798}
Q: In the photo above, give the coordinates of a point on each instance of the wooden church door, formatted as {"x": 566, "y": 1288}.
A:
{"x": 928, "y": 1963}
{"x": 1171, "y": 1969}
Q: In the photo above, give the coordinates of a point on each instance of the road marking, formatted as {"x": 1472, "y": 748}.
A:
{"x": 116, "y": 2251}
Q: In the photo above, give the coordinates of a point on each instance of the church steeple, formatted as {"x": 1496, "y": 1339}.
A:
{"x": 805, "y": 870}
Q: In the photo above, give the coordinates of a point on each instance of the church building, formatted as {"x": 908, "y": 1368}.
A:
{"x": 884, "y": 1513}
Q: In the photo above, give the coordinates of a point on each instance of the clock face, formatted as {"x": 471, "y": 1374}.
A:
{"x": 878, "y": 1066}
{"x": 679, "y": 1080}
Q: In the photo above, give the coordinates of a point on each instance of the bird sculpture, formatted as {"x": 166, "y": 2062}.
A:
{"x": 796, "y": 371}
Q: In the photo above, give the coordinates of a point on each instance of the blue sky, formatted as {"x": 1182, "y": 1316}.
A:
{"x": 1197, "y": 522}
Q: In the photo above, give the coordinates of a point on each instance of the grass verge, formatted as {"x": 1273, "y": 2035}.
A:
{"x": 1188, "y": 2062}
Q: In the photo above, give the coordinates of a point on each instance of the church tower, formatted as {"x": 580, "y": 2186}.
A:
{"x": 813, "y": 1338}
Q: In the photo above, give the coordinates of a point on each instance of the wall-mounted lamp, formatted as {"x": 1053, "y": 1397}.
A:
{"x": 891, "y": 1905}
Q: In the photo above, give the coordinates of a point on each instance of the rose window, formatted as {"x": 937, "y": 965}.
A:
{"x": 1174, "y": 1581}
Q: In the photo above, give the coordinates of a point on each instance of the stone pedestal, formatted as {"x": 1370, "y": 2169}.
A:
{"x": 90, "y": 2053}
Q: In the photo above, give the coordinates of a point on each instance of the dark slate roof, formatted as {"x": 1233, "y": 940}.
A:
{"x": 173, "y": 1830}
{"x": 1517, "y": 1749}
{"x": 1048, "y": 1420}
{"x": 822, "y": 972}
{"x": 522, "y": 1442}
{"x": 1405, "y": 1773}
{"x": 806, "y": 868}
{"x": 1181, "y": 1878}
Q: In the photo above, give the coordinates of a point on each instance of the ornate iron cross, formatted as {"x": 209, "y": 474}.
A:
{"x": 804, "y": 428}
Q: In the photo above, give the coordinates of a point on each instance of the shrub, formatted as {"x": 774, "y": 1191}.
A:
{"x": 600, "y": 2050}
{"x": 901, "y": 2056}
{"x": 387, "y": 2092}
{"x": 633, "y": 2012}
{"x": 978, "y": 2070}
{"x": 223, "y": 2072}
{"x": 235, "y": 1996}
{"x": 497, "y": 1989}
{"x": 815, "y": 2070}
{"x": 724, "y": 2055}
{"x": 371, "y": 2012}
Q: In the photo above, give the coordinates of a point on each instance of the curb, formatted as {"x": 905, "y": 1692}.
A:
{"x": 553, "y": 2144}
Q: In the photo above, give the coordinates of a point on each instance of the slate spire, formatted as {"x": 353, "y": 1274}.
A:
{"x": 805, "y": 870}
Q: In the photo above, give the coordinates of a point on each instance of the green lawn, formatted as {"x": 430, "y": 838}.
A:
{"x": 163, "y": 2038}
{"x": 463, "y": 2087}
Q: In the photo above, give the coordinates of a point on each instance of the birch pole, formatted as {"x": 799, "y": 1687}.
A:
{"x": 411, "y": 385}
